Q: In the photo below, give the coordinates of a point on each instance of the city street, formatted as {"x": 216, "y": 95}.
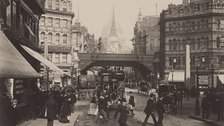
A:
{"x": 62, "y": 61}
{"x": 179, "y": 120}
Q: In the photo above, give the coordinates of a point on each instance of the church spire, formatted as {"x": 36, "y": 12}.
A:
{"x": 113, "y": 26}
{"x": 139, "y": 16}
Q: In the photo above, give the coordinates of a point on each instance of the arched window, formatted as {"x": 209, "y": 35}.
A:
{"x": 64, "y": 41}
{"x": 42, "y": 38}
{"x": 49, "y": 38}
{"x": 64, "y": 6}
{"x": 57, "y": 4}
{"x": 49, "y": 4}
{"x": 57, "y": 39}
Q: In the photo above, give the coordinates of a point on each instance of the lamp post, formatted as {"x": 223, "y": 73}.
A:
{"x": 212, "y": 72}
{"x": 174, "y": 62}
{"x": 197, "y": 109}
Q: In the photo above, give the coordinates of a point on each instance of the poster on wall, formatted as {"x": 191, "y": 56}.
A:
{"x": 9, "y": 86}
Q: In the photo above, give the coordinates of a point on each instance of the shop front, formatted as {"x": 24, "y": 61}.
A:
{"x": 18, "y": 79}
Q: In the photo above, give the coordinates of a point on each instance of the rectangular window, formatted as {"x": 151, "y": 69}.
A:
{"x": 50, "y": 4}
{"x": 50, "y": 38}
{"x": 14, "y": 20}
{"x": 57, "y": 22}
{"x": 50, "y": 57}
{"x": 9, "y": 16}
{"x": 170, "y": 61}
{"x": 64, "y": 23}
{"x": 42, "y": 21}
{"x": 50, "y": 21}
{"x": 64, "y": 58}
{"x": 42, "y": 38}
{"x": 64, "y": 41}
{"x": 57, "y": 39}
{"x": 57, "y": 58}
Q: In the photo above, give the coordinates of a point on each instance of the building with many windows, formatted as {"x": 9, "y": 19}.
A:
{"x": 56, "y": 33}
{"x": 146, "y": 35}
{"x": 200, "y": 24}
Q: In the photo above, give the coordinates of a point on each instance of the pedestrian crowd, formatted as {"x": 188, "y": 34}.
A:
{"x": 60, "y": 105}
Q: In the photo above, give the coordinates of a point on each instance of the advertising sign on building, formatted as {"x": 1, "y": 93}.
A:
{"x": 203, "y": 80}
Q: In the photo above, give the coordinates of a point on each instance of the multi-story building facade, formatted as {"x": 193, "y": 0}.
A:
{"x": 56, "y": 33}
{"x": 84, "y": 41}
{"x": 146, "y": 35}
{"x": 198, "y": 23}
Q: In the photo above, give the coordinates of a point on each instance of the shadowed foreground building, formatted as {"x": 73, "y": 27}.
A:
{"x": 19, "y": 69}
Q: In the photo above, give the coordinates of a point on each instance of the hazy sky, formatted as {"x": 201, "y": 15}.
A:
{"x": 95, "y": 14}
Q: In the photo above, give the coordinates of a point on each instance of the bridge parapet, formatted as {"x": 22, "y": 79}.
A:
{"x": 115, "y": 57}
{"x": 86, "y": 59}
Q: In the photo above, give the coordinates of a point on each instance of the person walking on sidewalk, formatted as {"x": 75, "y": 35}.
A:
{"x": 51, "y": 110}
{"x": 132, "y": 102}
{"x": 160, "y": 110}
{"x": 149, "y": 110}
{"x": 205, "y": 103}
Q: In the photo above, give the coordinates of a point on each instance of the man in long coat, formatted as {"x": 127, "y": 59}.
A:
{"x": 160, "y": 110}
{"x": 51, "y": 110}
{"x": 149, "y": 110}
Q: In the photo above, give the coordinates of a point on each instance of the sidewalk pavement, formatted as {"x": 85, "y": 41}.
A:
{"x": 189, "y": 108}
{"x": 211, "y": 119}
{"x": 73, "y": 118}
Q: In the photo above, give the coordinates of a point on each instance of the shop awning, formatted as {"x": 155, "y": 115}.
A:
{"x": 12, "y": 63}
{"x": 39, "y": 57}
{"x": 221, "y": 78}
{"x": 176, "y": 76}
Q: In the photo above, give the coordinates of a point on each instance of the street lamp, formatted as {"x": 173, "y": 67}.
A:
{"x": 197, "y": 109}
{"x": 198, "y": 62}
{"x": 174, "y": 62}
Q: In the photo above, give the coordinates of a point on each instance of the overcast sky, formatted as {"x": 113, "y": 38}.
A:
{"x": 94, "y": 14}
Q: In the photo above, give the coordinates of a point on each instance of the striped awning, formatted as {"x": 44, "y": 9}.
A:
{"x": 12, "y": 63}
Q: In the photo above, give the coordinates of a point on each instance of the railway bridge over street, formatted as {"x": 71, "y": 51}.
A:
{"x": 144, "y": 63}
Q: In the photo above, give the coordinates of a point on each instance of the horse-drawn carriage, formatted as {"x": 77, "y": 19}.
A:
{"x": 167, "y": 92}
{"x": 143, "y": 87}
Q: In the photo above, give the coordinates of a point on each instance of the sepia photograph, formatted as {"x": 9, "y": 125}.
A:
{"x": 111, "y": 62}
